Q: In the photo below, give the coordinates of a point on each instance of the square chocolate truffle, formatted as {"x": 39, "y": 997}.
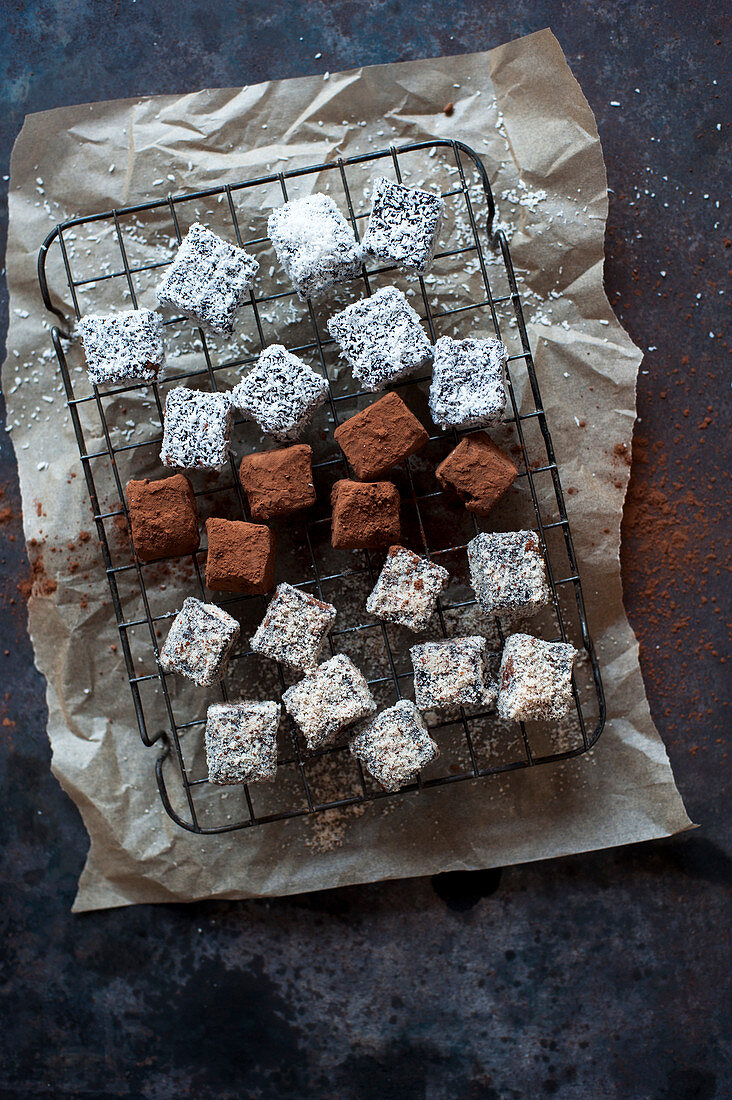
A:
{"x": 208, "y": 280}
{"x": 365, "y": 514}
{"x": 535, "y": 680}
{"x": 279, "y": 482}
{"x": 199, "y": 643}
{"x": 280, "y": 393}
{"x": 196, "y": 429}
{"x": 293, "y": 628}
{"x": 241, "y": 742}
{"x": 163, "y": 517}
{"x": 403, "y": 225}
{"x": 508, "y": 573}
{"x": 328, "y": 699}
{"x": 452, "y": 673}
{"x": 407, "y": 589}
{"x": 382, "y": 338}
{"x": 315, "y": 244}
{"x": 240, "y": 557}
{"x": 478, "y": 471}
{"x": 467, "y": 388}
{"x": 123, "y": 347}
{"x": 381, "y": 436}
{"x": 395, "y": 746}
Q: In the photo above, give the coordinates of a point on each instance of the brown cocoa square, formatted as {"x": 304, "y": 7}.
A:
{"x": 381, "y": 436}
{"x": 163, "y": 517}
{"x": 240, "y": 557}
{"x": 278, "y": 482}
{"x": 478, "y": 471}
{"x": 365, "y": 514}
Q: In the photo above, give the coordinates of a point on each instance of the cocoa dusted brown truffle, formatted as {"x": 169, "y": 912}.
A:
{"x": 478, "y": 471}
{"x": 365, "y": 514}
{"x": 240, "y": 557}
{"x": 278, "y": 482}
{"x": 379, "y": 437}
{"x": 163, "y": 517}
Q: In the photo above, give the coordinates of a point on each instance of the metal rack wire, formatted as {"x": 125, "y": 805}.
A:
{"x": 180, "y": 789}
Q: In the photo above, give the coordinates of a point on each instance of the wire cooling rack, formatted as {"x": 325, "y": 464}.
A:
{"x": 97, "y": 258}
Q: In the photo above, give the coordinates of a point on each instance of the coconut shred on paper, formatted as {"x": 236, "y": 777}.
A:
{"x": 550, "y": 185}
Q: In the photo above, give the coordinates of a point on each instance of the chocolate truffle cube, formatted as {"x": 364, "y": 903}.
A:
{"x": 163, "y": 517}
{"x": 452, "y": 673}
{"x": 196, "y": 429}
{"x": 508, "y": 573}
{"x": 199, "y": 643}
{"x": 278, "y": 482}
{"x": 240, "y": 558}
{"x": 478, "y": 471}
{"x": 208, "y": 280}
{"x": 467, "y": 383}
{"x": 381, "y": 436}
{"x": 293, "y": 628}
{"x": 280, "y": 393}
{"x": 315, "y": 244}
{"x": 407, "y": 589}
{"x": 241, "y": 742}
{"x": 327, "y": 700}
{"x": 395, "y": 746}
{"x": 535, "y": 680}
{"x": 365, "y": 514}
{"x": 382, "y": 338}
{"x": 123, "y": 347}
{"x": 403, "y": 225}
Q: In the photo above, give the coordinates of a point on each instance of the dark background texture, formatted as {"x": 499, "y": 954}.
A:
{"x": 601, "y": 975}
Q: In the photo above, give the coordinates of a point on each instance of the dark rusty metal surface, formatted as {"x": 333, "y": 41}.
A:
{"x": 593, "y": 976}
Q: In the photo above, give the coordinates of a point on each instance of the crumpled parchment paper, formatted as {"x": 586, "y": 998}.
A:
{"x": 520, "y": 107}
